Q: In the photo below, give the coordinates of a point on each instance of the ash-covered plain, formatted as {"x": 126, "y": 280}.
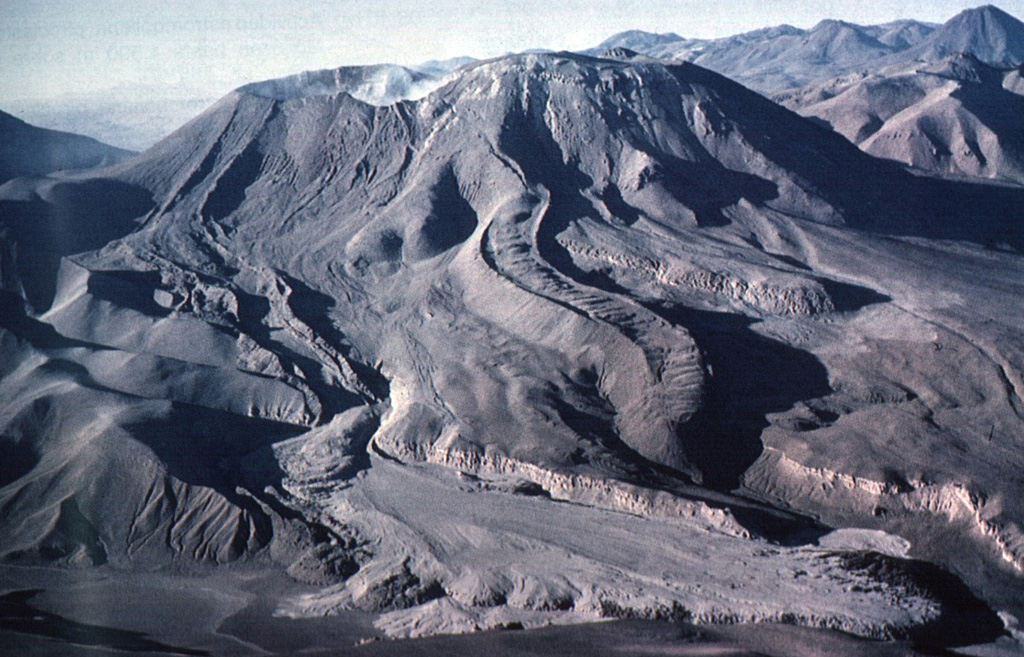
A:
{"x": 568, "y": 338}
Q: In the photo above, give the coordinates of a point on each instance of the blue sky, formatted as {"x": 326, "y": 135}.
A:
{"x": 53, "y": 47}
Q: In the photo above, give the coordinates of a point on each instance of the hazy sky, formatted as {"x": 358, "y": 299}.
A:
{"x": 51, "y": 47}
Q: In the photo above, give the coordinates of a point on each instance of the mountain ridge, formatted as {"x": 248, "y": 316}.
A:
{"x": 773, "y": 60}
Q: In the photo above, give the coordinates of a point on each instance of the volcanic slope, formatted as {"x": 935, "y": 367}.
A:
{"x": 956, "y": 117}
{"x": 378, "y": 345}
{"x": 26, "y": 150}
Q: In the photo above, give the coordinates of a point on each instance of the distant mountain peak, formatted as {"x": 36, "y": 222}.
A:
{"x": 833, "y": 24}
{"x": 773, "y": 32}
{"x": 985, "y": 18}
{"x": 652, "y": 37}
{"x": 638, "y": 40}
{"x": 987, "y": 10}
{"x": 988, "y": 32}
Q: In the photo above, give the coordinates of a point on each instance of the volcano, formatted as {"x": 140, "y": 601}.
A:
{"x": 568, "y": 338}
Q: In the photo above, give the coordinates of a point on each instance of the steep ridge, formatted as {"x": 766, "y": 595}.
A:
{"x": 393, "y": 332}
